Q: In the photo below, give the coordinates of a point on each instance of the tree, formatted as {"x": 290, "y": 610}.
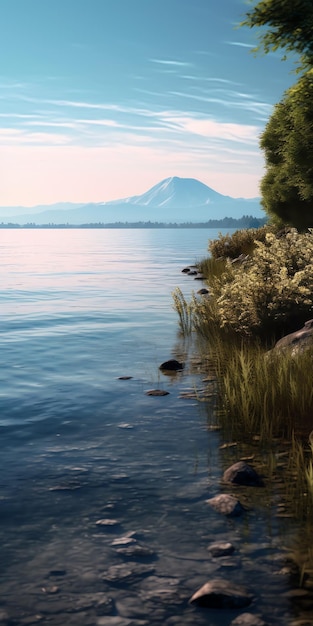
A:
{"x": 287, "y": 186}
{"x": 289, "y": 25}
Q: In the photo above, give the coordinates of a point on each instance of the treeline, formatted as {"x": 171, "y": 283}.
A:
{"x": 246, "y": 221}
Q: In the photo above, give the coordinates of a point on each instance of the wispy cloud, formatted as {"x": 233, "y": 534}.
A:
{"x": 171, "y": 62}
{"x": 241, "y": 44}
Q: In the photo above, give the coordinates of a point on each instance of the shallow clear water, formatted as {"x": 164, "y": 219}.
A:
{"x": 79, "y": 309}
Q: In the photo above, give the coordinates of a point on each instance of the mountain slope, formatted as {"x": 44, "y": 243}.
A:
{"x": 172, "y": 200}
{"x": 177, "y": 192}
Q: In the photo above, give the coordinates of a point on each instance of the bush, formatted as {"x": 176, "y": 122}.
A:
{"x": 271, "y": 293}
{"x": 240, "y": 242}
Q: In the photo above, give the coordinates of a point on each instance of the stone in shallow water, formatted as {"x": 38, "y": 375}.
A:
{"x": 221, "y": 549}
{"x": 157, "y": 392}
{"x": 226, "y": 504}
{"x": 107, "y": 522}
{"x": 247, "y": 619}
{"x": 222, "y": 594}
{"x": 100, "y": 602}
{"x": 242, "y": 474}
{"x": 136, "y": 551}
{"x": 125, "y": 540}
{"x": 117, "y": 620}
{"x": 122, "y": 573}
{"x": 172, "y": 365}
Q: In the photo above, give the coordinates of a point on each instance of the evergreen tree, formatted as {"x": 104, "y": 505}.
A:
{"x": 287, "y": 187}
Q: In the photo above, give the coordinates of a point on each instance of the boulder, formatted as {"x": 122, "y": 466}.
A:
{"x": 298, "y": 341}
{"x": 222, "y": 594}
{"x": 242, "y": 474}
{"x": 172, "y": 365}
{"x": 226, "y": 504}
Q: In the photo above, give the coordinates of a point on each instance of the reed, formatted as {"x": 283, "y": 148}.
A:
{"x": 184, "y": 310}
{"x": 211, "y": 268}
{"x": 273, "y": 395}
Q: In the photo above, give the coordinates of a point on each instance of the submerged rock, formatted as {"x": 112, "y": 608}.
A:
{"x": 157, "y": 392}
{"x": 222, "y": 594}
{"x": 221, "y": 549}
{"x": 126, "y": 573}
{"x": 226, "y": 504}
{"x": 242, "y": 474}
{"x": 135, "y": 551}
{"x": 247, "y": 619}
{"x": 107, "y": 522}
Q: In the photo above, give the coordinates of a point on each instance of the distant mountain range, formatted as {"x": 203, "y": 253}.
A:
{"x": 172, "y": 200}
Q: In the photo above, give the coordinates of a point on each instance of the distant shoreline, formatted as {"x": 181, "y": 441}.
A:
{"x": 247, "y": 221}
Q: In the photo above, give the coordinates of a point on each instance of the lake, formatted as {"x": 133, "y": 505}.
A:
{"x": 103, "y": 513}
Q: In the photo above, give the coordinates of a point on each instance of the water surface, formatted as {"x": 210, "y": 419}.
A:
{"x": 79, "y": 310}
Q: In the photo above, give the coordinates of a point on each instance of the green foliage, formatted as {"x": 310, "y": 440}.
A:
{"x": 274, "y": 292}
{"x": 240, "y": 242}
{"x": 288, "y": 24}
{"x": 271, "y": 293}
{"x": 263, "y": 395}
{"x": 287, "y": 187}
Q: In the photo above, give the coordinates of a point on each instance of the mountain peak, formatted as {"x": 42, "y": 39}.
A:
{"x": 176, "y": 192}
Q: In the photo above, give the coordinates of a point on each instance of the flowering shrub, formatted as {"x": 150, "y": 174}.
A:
{"x": 240, "y": 242}
{"x": 272, "y": 291}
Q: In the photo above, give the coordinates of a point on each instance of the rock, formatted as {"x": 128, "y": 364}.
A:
{"x": 172, "y": 365}
{"x": 221, "y": 549}
{"x": 135, "y": 551}
{"x": 117, "y": 620}
{"x": 247, "y": 619}
{"x": 222, "y": 594}
{"x": 298, "y": 341}
{"x": 125, "y": 540}
{"x": 186, "y": 270}
{"x": 157, "y": 392}
{"x": 57, "y": 572}
{"x": 100, "y": 602}
{"x": 124, "y": 573}
{"x": 203, "y": 291}
{"x": 52, "y": 589}
{"x": 107, "y": 522}
{"x": 124, "y": 378}
{"x": 242, "y": 474}
{"x": 226, "y": 504}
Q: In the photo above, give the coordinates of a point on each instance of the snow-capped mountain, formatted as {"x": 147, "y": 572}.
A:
{"x": 172, "y": 200}
{"x": 177, "y": 192}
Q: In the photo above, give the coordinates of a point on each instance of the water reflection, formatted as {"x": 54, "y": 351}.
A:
{"x": 79, "y": 445}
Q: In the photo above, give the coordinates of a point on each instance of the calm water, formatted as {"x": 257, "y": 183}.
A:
{"x": 79, "y": 309}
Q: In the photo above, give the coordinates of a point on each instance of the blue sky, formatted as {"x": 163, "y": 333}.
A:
{"x": 101, "y": 99}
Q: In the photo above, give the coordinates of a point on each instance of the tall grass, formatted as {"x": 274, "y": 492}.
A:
{"x": 299, "y": 477}
{"x": 268, "y": 394}
{"x": 184, "y": 310}
{"x": 211, "y": 267}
